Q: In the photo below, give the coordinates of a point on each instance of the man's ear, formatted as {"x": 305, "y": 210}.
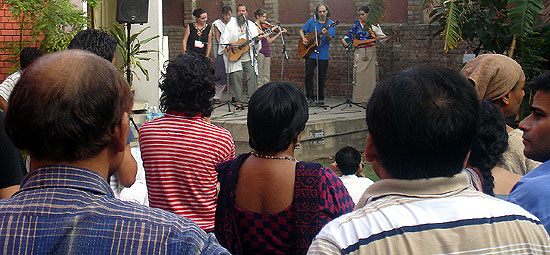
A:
{"x": 371, "y": 153}
{"x": 121, "y": 132}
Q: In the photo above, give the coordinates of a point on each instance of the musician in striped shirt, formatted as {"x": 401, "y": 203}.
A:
{"x": 181, "y": 149}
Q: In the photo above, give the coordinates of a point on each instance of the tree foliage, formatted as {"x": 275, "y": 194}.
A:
{"x": 50, "y": 24}
{"x": 482, "y": 24}
{"x": 377, "y": 10}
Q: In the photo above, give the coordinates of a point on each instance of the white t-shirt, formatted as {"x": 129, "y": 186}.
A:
{"x": 356, "y": 186}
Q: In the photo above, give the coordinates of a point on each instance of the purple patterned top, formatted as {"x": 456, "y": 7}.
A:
{"x": 265, "y": 48}
{"x": 319, "y": 197}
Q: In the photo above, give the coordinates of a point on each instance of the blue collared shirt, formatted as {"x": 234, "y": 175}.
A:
{"x": 310, "y": 27}
{"x": 533, "y": 193}
{"x": 68, "y": 210}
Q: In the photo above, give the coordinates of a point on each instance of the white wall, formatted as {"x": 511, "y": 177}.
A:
{"x": 105, "y": 17}
{"x": 148, "y": 90}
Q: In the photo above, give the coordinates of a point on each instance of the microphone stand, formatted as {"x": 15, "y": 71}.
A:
{"x": 253, "y": 55}
{"x": 316, "y": 51}
{"x": 283, "y": 51}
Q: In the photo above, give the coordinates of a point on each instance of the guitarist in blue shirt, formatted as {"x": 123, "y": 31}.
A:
{"x": 326, "y": 32}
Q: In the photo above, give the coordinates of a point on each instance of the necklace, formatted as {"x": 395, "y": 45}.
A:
{"x": 258, "y": 155}
{"x": 199, "y": 30}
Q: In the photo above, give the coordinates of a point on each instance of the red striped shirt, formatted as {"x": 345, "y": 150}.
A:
{"x": 179, "y": 155}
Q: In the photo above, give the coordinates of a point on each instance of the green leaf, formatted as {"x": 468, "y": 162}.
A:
{"x": 377, "y": 10}
{"x": 523, "y": 16}
{"x": 451, "y": 33}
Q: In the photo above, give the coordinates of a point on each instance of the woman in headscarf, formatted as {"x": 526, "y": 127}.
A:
{"x": 500, "y": 80}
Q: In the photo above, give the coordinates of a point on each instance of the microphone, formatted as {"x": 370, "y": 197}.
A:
{"x": 245, "y": 19}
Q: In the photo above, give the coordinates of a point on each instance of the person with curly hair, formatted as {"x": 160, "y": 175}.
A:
{"x": 181, "y": 149}
{"x": 490, "y": 142}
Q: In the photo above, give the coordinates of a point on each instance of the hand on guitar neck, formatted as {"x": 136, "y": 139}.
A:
{"x": 238, "y": 48}
{"x": 307, "y": 45}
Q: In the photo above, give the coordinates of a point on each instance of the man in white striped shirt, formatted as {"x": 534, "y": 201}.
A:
{"x": 421, "y": 123}
{"x": 26, "y": 57}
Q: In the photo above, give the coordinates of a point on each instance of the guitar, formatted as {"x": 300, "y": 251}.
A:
{"x": 355, "y": 43}
{"x": 305, "y": 50}
{"x": 234, "y": 53}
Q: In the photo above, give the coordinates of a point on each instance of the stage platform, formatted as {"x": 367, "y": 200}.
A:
{"x": 327, "y": 130}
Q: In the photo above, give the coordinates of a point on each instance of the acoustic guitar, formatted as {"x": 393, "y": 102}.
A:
{"x": 234, "y": 53}
{"x": 355, "y": 43}
{"x": 305, "y": 50}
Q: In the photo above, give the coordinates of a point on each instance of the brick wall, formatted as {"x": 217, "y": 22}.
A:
{"x": 413, "y": 46}
{"x": 9, "y": 31}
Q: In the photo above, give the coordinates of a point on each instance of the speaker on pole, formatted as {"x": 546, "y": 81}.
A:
{"x": 132, "y": 11}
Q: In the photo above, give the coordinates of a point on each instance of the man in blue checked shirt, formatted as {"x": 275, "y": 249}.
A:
{"x": 70, "y": 112}
{"x": 320, "y": 23}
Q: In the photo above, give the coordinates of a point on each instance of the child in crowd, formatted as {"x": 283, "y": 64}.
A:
{"x": 348, "y": 163}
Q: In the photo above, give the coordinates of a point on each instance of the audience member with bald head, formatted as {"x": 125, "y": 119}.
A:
{"x": 104, "y": 45}
{"x": 70, "y": 112}
{"x": 500, "y": 80}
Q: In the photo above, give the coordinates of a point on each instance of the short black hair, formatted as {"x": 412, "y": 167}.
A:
{"x": 188, "y": 85}
{"x": 277, "y": 114}
{"x": 348, "y": 160}
{"x": 364, "y": 8}
{"x": 95, "y": 41}
{"x": 541, "y": 82}
{"x": 65, "y": 106}
{"x": 28, "y": 55}
{"x": 226, "y": 9}
{"x": 198, "y": 12}
{"x": 239, "y": 5}
{"x": 491, "y": 141}
{"x": 422, "y": 122}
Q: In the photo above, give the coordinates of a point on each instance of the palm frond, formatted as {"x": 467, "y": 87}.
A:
{"x": 452, "y": 33}
{"x": 523, "y": 16}
{"x": 377, "y": 10}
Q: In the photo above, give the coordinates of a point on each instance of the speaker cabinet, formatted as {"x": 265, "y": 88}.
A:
{"x": 132, "y": 11}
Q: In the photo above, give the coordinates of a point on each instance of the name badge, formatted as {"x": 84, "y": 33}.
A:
{"x": 199, "y": 44}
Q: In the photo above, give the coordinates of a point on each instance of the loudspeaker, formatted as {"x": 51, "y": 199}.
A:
{"x": 132, "y": 11}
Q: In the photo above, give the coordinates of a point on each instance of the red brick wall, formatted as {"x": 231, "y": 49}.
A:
{"x": 414, "y": 46}
{"x": 9, "y": 31}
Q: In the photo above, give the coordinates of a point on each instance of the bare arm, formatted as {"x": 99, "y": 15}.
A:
{"x": 303, "y": 36}
{"x": 217, "y": 34}
{"x": 126, "y": 174}
{"x": 209, "y": 46}
{"x": 272, "y": 38}
{"x": 3, "y": 104}
{"x": 185, "y": 38}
